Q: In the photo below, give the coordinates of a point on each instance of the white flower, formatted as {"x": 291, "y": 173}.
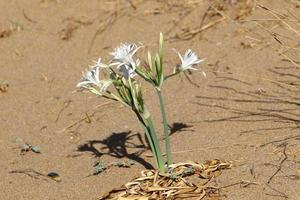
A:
{"x": 91, "y": 79}
{"x": 123, "y": 58}
{"x": 188, "y": 60}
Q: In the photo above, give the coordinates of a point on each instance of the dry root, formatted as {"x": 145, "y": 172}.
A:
{"x": 174, "y": 184}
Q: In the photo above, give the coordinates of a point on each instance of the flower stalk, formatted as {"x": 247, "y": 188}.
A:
{"x": 147, "y": 125}
{"x": 156, "y": 148}
{"x": 166, "y": 128}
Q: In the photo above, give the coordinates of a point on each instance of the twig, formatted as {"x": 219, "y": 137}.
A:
{"x": 176, "y": 22}
{"x": 189, "y": 35}
{"x": 87, "y": 117}
{"x": 281, "y": 194}
{"x": 280, "y": 164}
{"x": 265, "y": 79}
{"x": 131, "y": 4}
{"x": 241, "y": 183}
{"x": 74, "y": 124}
{"x": 255, "y": 20}
{"x": 281, "y": 140}
{"x": 31, "y": 173}
{"x": 66, "y": 104}
{"x": 190, "y": 80}
{"x": 109, "y": 22}
{"x": 204, "y": 16}
{"x": 289, "y": 59}
{"x": 279, "y": 41}
{"x": 101, "y": 29}
{"x": 275, "y": 14}
{"x": 289, "y": 48}
{"x": 28, "y": 19}
{"x": 297, "y": 19}
{"x": 276, "y": 34}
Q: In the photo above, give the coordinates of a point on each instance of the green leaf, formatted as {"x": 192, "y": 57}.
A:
{"x": 159, "y": 71}
{"x": 161, "y": 46}
{"x": 150, "y": 61}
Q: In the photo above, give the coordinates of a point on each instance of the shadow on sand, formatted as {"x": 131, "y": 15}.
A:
{"x": 126, "y": 145}
{"x": 118, "y": 145}
{"x": 280, "y": 106}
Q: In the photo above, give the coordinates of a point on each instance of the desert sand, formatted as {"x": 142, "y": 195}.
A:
{"x": 246, "y": 110}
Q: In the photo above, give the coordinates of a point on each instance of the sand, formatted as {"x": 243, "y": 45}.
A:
{"x": 246, "y": 110}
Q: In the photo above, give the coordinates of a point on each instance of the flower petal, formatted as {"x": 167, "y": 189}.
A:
{"x": 188, "y": 60}
{"x": 123, "y": 55}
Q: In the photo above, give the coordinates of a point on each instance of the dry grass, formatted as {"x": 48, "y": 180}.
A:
{"x": 178, "y": 183}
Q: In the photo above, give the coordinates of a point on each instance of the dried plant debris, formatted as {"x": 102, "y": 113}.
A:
{"x": 100, "y": 166}
{"x": 172, "y": 6}
{"x": 187, "y": 33}
{"x": 14, "y": 26}
{"x": 46, "y": 3}
{"x": 237, "y": 9}
{"x": 5, "y": 33}
{"x": 4, "y": 87}
{"x": 67, "y": 32}
{"x": 72, "y": 25}
{"x": 176, "y": 183}
{"x": 244, "y": 8}
{"x": 211, "y": 17}
{"x": 247, "y": 44}
{"x": 294, "y": 177}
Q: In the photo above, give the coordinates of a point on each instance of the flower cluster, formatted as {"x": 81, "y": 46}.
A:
{"x": 123, "y": 58}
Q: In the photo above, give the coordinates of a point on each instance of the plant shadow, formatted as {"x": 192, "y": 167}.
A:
{"x": 177, "y": 127}
{"x": 118, "y": 145}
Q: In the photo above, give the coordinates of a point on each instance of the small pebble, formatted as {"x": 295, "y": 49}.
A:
{"x": 55, "y": 176}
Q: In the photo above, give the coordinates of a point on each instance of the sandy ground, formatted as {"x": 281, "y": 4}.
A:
{"x": 245, "y": 111}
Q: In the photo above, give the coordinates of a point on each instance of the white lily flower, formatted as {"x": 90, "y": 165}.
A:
{"x": 123, "y": 55}
{"x": 91, "y": 79}
{"x": 188, "y": 60}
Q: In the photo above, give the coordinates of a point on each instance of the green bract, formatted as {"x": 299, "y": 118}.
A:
{"x": 122, "y": 86}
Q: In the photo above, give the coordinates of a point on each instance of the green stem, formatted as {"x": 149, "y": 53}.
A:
{"x": 166, "y": 129}
{"x": 159, "y": 157}
{"x": 148, "y": 127}
{"x": 171, "y": 75}
{"x": 150, "y": 140}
